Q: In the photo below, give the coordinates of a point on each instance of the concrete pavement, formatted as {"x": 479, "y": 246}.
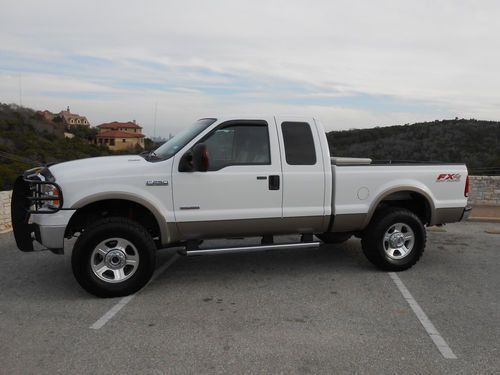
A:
{"x": 317, "y": 311}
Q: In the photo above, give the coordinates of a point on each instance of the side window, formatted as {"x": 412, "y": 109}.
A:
{"x": 245, "y": 144}
{"x": 299, "y": 143}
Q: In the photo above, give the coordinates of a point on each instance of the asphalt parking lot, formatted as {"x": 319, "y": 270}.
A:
{"x": 309, "y": 311}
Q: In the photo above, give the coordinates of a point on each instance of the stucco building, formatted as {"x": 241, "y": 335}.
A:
{"x": 120, "y": 135}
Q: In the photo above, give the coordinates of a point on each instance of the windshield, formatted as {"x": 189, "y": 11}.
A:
{"x": 170, "y": 148}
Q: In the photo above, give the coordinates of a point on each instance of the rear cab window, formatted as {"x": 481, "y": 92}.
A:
{"x": 299, "y": 143}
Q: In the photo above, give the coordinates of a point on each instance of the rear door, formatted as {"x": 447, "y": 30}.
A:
{"x": 303, "y": 169}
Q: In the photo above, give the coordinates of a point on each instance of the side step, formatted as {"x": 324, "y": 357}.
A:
{"x": 244, "y": 249}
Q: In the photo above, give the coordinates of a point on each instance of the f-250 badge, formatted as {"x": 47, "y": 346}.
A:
{"x": 448, "y": 177}
{"x": 156, "y": 183}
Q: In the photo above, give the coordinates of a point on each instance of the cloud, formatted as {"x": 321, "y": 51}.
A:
{"x": 353, "y": 64}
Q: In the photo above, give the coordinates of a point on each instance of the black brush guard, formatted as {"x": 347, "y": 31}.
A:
{"x": 28, "y": 198}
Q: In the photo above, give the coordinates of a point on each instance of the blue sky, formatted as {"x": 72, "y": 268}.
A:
{"x": 351, "y": 64}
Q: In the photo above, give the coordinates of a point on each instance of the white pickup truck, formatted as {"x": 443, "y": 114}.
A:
{"x": 227, "y": 177}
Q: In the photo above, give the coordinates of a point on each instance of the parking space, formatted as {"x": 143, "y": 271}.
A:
{"x": 323, "y": 310}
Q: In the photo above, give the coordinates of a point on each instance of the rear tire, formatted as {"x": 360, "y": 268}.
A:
{"x": 394, "y": 240}
{"x": 113, "y": 257}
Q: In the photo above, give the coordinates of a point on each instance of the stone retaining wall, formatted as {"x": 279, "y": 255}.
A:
{"x": 5, "y": 224}
{"x": 484, "y": 190}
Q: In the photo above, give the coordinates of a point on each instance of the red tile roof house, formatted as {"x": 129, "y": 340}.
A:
{"x": 120, "y": 135}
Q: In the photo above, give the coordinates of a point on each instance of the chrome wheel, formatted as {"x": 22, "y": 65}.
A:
{"x": 398, "y": 241}
{"x": 114, "y": 260}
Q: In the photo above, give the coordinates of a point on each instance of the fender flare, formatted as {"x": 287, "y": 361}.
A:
{"x": 404, "y": 188}
{"x": 168, "y": 231}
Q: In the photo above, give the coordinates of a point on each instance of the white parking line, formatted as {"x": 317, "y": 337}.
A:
{"x": 426, "y": 323}
{"x": 123, "y": 302}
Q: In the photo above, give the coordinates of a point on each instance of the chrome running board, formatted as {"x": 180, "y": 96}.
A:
{"x": 244, "y": 249}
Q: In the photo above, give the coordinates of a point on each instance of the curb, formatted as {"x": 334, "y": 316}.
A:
{"x": 5, "y": 228}
{"x": 484, "y": 219}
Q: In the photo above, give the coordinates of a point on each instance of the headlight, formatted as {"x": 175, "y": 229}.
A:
{"x": 49, "y": 190}
{"x": 44, "y": 196}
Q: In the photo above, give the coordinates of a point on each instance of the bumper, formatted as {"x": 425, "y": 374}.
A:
{"x": 47, "y": 228}
{"x": 466, "y": 213}
{"x": 51, "y": 237}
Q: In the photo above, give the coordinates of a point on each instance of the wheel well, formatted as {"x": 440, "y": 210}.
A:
{"x": 413, "y": 201}
{"x": 112, "y": 207}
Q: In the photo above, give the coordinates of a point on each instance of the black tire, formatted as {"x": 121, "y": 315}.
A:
{"x": 137, "y": 245}
{"x": 333, "y": 238}
{"x": 381, "y": 240}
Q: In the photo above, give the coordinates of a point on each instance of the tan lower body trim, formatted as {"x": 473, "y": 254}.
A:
{"x": 447, "y": 215}
{"x": 251, "y": 227}
{"x": 348, "y": 222}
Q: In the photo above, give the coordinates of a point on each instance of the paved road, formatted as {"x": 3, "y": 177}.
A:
{"x": 317, "y": 311}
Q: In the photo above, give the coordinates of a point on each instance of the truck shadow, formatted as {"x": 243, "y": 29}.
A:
{"x": 345, "y": 259}
{"x": 42, "y": 276}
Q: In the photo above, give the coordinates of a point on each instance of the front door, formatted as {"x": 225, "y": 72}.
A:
{"x": 242, "y": 187}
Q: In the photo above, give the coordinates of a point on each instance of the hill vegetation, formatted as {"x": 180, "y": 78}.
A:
{"x": 475, "y": 143}
{"x": 27, "y": 140}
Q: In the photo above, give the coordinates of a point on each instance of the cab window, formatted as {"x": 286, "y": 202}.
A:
{"x": 238, "y": 144}
{"x": 299, "y": 143}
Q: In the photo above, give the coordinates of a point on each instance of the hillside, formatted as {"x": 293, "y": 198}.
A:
{"x": 26, "y": 140}
{"x": 476, "y": 143}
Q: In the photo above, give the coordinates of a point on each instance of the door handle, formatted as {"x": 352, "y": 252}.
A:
{"x": 274, "y": 182}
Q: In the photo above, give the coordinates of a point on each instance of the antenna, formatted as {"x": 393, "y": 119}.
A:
{"x": 20, "y": 90}
{"x": 154, "y": 129}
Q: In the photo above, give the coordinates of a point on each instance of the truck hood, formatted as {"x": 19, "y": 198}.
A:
{"x": 97, "y": 168}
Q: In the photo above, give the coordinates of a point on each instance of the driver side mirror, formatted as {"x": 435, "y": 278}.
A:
{"x": 200, "y": 157}
{"x": 195, "y": 160}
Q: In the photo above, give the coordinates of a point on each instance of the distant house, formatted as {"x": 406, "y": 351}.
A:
{"x": 120, "y": 135}
{"x": 66, "y": 117}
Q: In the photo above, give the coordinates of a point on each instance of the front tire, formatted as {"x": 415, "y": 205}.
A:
{"x": 113, "y": 257}
{"x": 394, "y": 240}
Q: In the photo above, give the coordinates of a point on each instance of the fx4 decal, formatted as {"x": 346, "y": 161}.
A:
{"x": 448, "y": 177}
